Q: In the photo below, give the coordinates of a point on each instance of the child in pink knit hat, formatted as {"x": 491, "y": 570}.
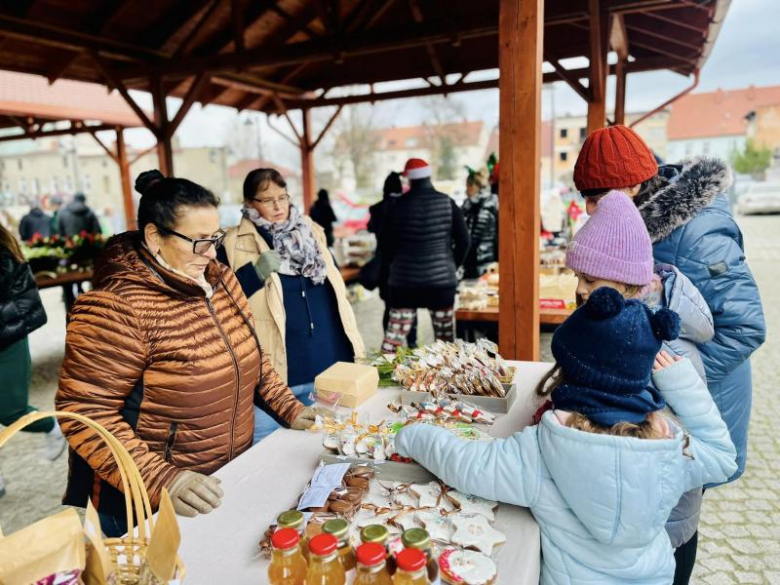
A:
{"x": 613, "y": 249}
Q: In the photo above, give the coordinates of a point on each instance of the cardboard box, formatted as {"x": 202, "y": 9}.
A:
{"x": 350, "y": 384}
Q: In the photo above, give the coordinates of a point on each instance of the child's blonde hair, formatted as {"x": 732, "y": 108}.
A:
{"x": 576, "y": 420}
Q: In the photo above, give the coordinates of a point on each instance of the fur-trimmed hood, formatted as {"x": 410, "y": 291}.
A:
{"x": 692, "y": 186}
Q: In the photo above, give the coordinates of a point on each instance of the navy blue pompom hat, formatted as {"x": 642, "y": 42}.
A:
{"x": 606, "y": 351}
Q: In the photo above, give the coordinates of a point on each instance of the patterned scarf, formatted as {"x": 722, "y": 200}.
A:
{"x": 294, "y": 241}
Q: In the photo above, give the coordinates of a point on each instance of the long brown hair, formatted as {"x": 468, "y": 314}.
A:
{"x": 643, "y": 430}
{"x": 8, "y": 242}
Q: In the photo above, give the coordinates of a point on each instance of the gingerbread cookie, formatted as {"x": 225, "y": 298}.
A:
{"x": 476, "y": 532}
{"x": 438, "y": 526}
{"x": 467, "y": 567}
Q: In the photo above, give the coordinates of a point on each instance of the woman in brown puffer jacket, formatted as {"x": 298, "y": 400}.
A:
{"x": 163, "y": 353}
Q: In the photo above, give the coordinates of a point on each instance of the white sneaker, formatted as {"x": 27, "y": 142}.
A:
{"x": 2, "y": 486}
{"x": 55, "y": 443}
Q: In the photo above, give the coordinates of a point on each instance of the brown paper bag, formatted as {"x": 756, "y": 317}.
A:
{"x": 99, "y": 570}
{"x": 47, "y": 552}
{"x": 159, "y": 566}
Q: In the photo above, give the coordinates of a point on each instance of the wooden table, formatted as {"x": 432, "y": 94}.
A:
{"x": 43, "y": 280}
{"x": 350, "y": 274}
{"x": 490, "y": 315}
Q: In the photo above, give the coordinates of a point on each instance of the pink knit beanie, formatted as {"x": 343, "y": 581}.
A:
{"x": 613, "y": 244}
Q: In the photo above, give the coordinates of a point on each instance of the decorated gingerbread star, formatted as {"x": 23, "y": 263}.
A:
{"x": 474, "y": 505}
{"x": 476, "y": 532}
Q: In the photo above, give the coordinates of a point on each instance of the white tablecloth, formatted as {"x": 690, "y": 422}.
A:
{"x": 221, "y": 548}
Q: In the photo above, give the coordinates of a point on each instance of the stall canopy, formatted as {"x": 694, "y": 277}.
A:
{"x": 277, "y": 56}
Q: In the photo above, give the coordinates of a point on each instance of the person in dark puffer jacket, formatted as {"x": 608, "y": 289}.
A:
{"x": 21, "y": 313}
{"x": 35, "y": 222}
{"x": 480, "y": 211}
{"x": 424, "y": 240}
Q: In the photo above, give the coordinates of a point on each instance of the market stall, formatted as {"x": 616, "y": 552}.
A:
{"x": 222, "y": 547}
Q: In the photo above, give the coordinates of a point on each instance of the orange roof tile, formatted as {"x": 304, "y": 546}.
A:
{"x": 31, "y": 95}
{"x": 717, "y": 113}
{"x": 409, "y": 137}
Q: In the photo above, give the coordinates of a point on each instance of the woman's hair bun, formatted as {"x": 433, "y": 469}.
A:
{"x": 147, "y": 180}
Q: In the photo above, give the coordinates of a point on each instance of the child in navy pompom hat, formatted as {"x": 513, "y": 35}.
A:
{"x": 603, "y": 470}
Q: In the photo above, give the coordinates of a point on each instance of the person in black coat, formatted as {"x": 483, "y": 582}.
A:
{"x": 424, "y": 241}
{"x": 322, "y": 213}
{"x": 77, "y": 217}
{"x": 21, "y": 313}
{"x": 35, "y": 222}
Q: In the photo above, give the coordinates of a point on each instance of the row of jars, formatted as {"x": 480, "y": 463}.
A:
{"x": 327, "y": 557}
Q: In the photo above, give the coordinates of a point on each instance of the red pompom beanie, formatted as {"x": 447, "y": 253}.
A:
{"x": 613, "y": 157}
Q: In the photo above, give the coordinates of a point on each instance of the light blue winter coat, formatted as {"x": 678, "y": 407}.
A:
{"x": 601, "y": 501}
{"x": 691, "y": 226}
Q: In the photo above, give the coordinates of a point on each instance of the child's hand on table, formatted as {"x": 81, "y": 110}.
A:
{"x": 664, "y": 360}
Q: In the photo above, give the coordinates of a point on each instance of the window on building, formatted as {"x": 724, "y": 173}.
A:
{"x": 69, "y": 183}
{"x": 22, "y": 186}
{"x": 64, "y": 162}
{"x": 19, "y": 164}
{"x": 564, "y": 156}
{"x": 583, "y": 132}
{"x": 106, "y": 184}
{"x": 705, "y": 147}
{"x": 105, "y": 163}
{"x": 688, "y": 149}
{"x": 412, "y": 142}
{"x": 564, "y": 132}
{"x": 86, "y": 184}
{"x": 2, "y": 165}
{"x": 36, "y": 187}
{"x": 55, "y": 185}
{"x": 212, "y": 156}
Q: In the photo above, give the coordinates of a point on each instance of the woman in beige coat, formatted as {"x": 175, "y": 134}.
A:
{"x": 295, "y": 291}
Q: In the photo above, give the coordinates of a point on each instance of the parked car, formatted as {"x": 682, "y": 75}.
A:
{"x": 760, "y": 198}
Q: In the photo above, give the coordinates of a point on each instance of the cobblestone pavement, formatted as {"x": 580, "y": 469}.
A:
{"x": 740, "y": 530}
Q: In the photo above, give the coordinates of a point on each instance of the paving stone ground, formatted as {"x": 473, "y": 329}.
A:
{"x": 740, "y": 529}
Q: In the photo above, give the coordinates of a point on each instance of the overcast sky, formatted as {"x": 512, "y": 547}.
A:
{"x": 746, "y": 52}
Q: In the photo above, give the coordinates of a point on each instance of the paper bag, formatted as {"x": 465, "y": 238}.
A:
{"x": 49, "y": 552}
{"x": 99, "y": 570}
{"x": 159, "y": 566}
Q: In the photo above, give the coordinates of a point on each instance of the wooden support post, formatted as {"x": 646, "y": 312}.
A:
{"x": 520, "y": 102}
{"x": 124, "y": 173}
{"x": 307, "y": 162}
{"x": 620, "y": 91}
{"x": 597, "y": 106}
{"x": 164, "y": 149}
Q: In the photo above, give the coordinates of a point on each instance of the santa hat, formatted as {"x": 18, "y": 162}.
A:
{"x": 417, "y": 168}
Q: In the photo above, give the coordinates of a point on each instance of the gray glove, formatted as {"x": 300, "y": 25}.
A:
{"x": 193, "y": 493}
{"x": 268, "y": 263}
{"x": 305, "y": 420}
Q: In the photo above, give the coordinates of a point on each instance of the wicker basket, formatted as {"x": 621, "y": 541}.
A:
{"x": 127, "y": 553}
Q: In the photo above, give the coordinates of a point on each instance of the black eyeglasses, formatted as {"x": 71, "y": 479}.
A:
{"x": 200, "y": 246}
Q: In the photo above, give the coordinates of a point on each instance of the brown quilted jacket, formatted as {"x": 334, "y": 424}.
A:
{"x": 168, "y": 372}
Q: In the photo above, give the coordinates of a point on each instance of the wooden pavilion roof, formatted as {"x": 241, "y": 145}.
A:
{"x": 271, "y": 55}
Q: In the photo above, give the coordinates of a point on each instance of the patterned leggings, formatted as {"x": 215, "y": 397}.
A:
{"x": 401, "y": 321}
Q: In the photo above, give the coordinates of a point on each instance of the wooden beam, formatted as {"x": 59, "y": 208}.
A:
{"x": 620, "y": 91}
{"x": 618, "y": 36}
{"x": 597, "y": 106}
{"x": 417, "y": 15}
{"x": 177, "y": 16}
{"x": 327, "y": 127}
{"x": 190, "y": 97}
{"x": 124, "y": 175}
{"x": 573, "y": 82}
{"x": 675, "y": 22}
{"x": 164, "y": 148}
{"x": 295, "y": 143}
{"x": 237, "y": 17}
{"x": 321, "y": 49}
{"x": 205, "y": 17}
{"x": 307, "y": 162}
{"x": 224, "y": 39}
{"x": 292, "y": 19}
{"x": 63, "y": 38}
{"x": 109, "y": 152}
{"x": 283, "y": 109}
{"x": 112, "y": 79}
{"x": 520, "y": 113}
{"x": 142, "y": 154}
{"x": 59, "y": 132}
{"x": 665, "y": 37}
